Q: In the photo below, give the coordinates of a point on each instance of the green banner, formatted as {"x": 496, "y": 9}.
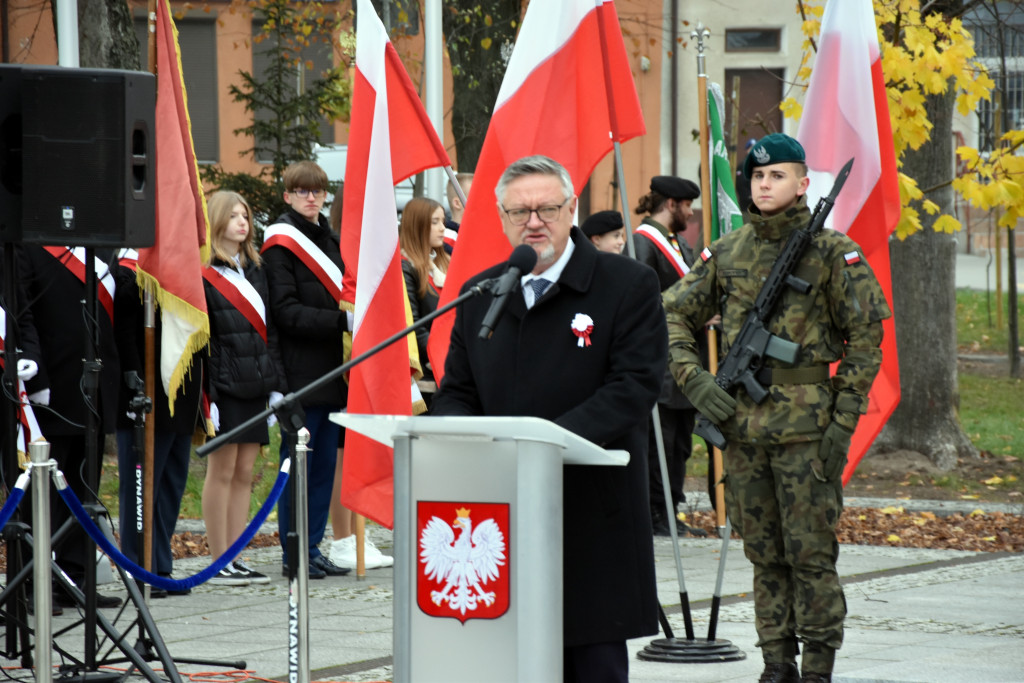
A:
{"x": 725, "y": 211}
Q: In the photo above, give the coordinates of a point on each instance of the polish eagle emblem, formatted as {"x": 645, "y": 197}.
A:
{"x": 463, "y": 565}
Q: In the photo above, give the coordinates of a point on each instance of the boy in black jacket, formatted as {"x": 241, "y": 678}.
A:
{"x": 302, "y": 258}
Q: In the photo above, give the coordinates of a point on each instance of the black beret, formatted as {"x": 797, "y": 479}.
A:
{"x": 773, "y": 149}
{"x": 602, "y": 222}
{"x": 674, "y": 188}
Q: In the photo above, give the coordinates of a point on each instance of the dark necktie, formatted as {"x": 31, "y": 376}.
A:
{"x": 540, "y": 285}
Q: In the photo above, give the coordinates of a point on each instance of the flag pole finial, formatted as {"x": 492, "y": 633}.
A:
{"x": 700, "y": 34}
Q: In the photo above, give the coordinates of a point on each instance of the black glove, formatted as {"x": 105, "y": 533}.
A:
{"x": 711, "y": 400}
{"x": 834, "y": 445}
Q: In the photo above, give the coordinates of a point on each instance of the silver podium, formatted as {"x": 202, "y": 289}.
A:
{"x": 478, "y": 543}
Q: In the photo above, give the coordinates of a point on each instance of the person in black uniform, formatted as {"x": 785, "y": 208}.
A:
{"x": 172, "y": 443}
{"x": 659, "y": 243}
{"x": 54, "y": 287}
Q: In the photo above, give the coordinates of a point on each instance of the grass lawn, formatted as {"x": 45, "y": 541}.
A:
{"x": 264, "y": 475}
{"x": 976, "y": 320}
{"x": 990, "y": 405}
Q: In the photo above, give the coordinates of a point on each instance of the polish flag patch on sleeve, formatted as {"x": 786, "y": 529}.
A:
{"x": 706, "y": 254}
{"x": 852, "y": 257}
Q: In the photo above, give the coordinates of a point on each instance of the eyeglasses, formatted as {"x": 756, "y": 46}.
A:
{"x": 547, "y": 214}
{"x": 305, "y": 193}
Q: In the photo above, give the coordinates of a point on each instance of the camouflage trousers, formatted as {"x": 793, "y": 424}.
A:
{"x": 787, "y": 518}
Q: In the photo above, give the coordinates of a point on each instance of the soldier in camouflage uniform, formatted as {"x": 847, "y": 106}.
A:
{"x": 785, "y": 457}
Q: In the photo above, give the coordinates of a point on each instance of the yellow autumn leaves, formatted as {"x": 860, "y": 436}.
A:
{"x": 923, "y": 56}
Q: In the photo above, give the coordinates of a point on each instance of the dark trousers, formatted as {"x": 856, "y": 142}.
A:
{"x": 677, "y": 433}
{"x": 596, "y": 663}
{"x": 320, "y": 463}
{"x": 69, "y": 452}
{"x": 171, "y": 453}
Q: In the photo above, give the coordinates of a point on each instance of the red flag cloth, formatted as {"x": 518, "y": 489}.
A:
{"x": 391, "y": 138}
{"x": 568, "y": 93}
{"x": 172, "y": 268}
{"x": 846, "y": 114}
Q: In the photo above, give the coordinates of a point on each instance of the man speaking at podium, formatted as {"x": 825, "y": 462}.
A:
{"x": 583, "y": 344}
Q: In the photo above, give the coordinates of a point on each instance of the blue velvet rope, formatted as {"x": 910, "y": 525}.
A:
{"x": 13, "y": 500}
{"x": 71, "y": 500}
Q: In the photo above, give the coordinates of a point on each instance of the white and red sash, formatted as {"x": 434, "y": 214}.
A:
{"x": 129, "y": 258}
{"x": 73, "y": 258}
{"x": 663, "y": 245}
{"x": 292, "y": 239}
{"x": 28, "y": 426}
{"x": 242, "y": 295}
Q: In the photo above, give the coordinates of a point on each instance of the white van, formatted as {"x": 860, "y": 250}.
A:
{"x": 332, "y": 159}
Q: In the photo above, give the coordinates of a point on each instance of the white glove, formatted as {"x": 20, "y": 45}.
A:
{"x": 40, "y": 398}
{"x": 27, "y": 369}
{"x": 275, "y": 398}
{"x": 215, "y": 416}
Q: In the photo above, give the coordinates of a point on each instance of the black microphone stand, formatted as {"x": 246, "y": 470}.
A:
{"x": 287, "y": 408}
{"x": 15, "y": 613}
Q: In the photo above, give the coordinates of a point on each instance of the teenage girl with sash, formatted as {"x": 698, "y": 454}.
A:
{"x": 245, "y": 372}
{"x": 424, "y": 264}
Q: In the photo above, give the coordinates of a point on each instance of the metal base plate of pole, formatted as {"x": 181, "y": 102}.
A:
{"x": 684, "y": 651}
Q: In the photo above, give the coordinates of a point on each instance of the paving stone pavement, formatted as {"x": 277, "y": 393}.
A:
{"x": 915, "y": 616}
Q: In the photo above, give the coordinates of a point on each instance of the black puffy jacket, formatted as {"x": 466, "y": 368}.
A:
{"x": 241, "y": 364}
{"x": 309, "y": 322}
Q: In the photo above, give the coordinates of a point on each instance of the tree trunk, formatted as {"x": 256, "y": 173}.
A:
{"x": 106, "y": 35}
{"x": 924, "y": 302}
{"x": 478, "y": 50}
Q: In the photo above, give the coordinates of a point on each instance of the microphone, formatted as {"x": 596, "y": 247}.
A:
{"x": 522, "y": 260}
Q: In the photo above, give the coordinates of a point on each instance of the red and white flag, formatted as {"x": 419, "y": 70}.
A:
{"x": 391, "y": 138}
{"x": 173, "y": 267}
{"x": 568, "y": 93}
{"x": 846, "y": 114}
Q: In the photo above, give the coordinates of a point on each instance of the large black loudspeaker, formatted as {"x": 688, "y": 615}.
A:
{"x": 81, "y": 172}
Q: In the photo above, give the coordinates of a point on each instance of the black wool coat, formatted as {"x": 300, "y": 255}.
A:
{"x": 532, "y": 365}
{"x": 309, "y": 323}
{"x": 55, "y": 296}
{"x": 646, "y": 252}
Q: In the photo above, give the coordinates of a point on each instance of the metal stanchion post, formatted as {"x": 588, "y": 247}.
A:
{"x": 42, "y": 469}
{"x": 298, "y": 593}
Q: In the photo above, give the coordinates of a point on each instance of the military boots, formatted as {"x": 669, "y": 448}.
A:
{"x": 811, "y": 677}
{"x": 780, "y": 673}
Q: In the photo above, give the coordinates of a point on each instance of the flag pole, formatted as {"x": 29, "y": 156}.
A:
{"x": 149, "y": 338}
{"x": 613, "y": 119}
{"x": 670, "y": 645}
{"x": 701, "y": 34}
{"x": 455, "y": 183}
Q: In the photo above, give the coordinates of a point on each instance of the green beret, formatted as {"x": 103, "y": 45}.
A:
{"x": 674, "y": 188}
{"x": 601, "y": 222}
{"x": 773, "y": 149}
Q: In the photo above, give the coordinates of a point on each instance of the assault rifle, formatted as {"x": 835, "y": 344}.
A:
{"x": 754, "y": 342}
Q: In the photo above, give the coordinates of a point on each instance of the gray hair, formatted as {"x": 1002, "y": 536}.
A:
{"x": 534, "y": 165}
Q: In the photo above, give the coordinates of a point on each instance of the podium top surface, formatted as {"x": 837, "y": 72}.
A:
{"x": 577, "y": 450}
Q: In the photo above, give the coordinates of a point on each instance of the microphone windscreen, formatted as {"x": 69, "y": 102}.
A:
{"x": 523, "y": 257}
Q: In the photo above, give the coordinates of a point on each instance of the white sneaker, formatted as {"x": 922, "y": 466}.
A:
{"x": 343, "y": 554}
